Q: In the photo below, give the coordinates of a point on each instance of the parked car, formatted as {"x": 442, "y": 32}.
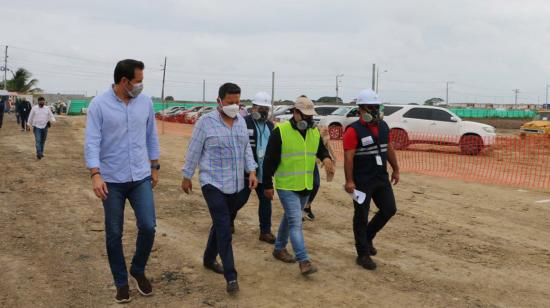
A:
{"x": 170, "y": 110}
{"x": 282, "y": 109}
{"x": 192, "y": 117}
{"x": 426, "y": 124}
{"x": 540, "y": 126}
{"x": 180, "y": 117}
{"x": 322, "y": 111}
{"x": 411, "y": 124}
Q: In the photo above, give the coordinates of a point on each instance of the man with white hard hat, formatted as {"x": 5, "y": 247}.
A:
{"x": 367, "y": 150}
{"x": 259, "y": 131}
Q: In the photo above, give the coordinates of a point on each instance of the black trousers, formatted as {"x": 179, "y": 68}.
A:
{"x": 222, "y": 207}
{"x": 1, "y": 115}
{"x": 381, "y": 192}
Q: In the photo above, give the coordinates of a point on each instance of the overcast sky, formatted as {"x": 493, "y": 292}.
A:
{"x": 487, "y": 48}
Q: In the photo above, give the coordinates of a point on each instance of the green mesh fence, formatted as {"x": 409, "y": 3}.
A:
{"x": 493, "y": 113}
{"x": 76, "y": 106}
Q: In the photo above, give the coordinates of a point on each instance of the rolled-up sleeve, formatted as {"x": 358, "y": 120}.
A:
{"x": 92, "y": 144}
{"x": 153, "y": 146}
{"x": 194, "y": 151}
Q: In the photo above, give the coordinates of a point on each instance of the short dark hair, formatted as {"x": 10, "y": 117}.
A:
{"x": 228, "y": 88}
{"x": 126, "y": 68}
{"x": 41, "y": 98}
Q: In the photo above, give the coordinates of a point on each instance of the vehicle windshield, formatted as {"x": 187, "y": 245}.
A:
{"x": 342, "y": 111}
{"x": 543, "y": 116}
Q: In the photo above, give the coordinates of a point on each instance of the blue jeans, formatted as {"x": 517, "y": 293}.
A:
{"x": 140, "y": 195}
{"x": 40, "y": 135}
{"x": 291, "y": 223}
{"x": 264, "y": 208}
{"x": 223, "y": 209}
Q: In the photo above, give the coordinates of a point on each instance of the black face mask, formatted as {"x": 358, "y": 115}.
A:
{"x": 41, "y": 104}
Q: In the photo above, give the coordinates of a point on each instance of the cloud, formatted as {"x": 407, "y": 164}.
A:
{"x": 487, "y": 48}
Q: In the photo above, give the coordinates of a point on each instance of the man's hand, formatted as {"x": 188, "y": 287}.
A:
{"x": 252, "y": 181}
{"x": 329, "y": 168}
{"x": 350, "y": 187}
{"x": 99, "y": 187}
{"x": 154, "y": 177}
{"x": 395, "y": 177}
{"x": 269, "y": 193}
{"x": 186, "y": 185}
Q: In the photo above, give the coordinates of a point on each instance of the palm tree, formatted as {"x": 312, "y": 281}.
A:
{"x": 22, "y": 82}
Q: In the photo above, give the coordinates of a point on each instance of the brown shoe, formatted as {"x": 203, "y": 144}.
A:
{"x": 143, "y": 284}
{"x": 307, "y": 268}
{"x": 284, "y": 256}
{"x": 123, "y": 295}
{"x": 215, "y": 267}
{"x": 267, "y": 237}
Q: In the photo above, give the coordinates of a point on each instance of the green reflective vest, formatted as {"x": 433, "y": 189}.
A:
{"x": 295, "y": 171}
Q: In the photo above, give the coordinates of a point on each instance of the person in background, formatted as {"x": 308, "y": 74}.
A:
{"x": 259, "y": 130}
{"x": 316, "y": 184}
{"x": 122, "y": 154}
{"x": 221, "y": 149}
{"x": 25, "y": 110}
{"x": 290, "y": 156}
{"x": 40, "y": 119}
{"x": 17, "y": 113}
{"x": 367, "y": 149}
{"x": 3, "y": 104}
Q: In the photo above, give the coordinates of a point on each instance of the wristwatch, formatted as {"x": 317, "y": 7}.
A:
{"x": 155, "y": 166}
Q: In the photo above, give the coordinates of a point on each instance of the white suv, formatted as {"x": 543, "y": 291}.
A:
{"x": 411, "y": 124}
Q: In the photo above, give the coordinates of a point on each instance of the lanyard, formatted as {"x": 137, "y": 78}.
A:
{"x": 260, "y": 133}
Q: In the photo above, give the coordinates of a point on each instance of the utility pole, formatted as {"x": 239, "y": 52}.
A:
{"x": 546, "y": 101}
{"x": 378, "y": 79}
{"x": 373, "y": 76}
{"x": 272, "y": 88}
{"x": 337, "y": 87}
{"x": 447, "y": 92}
{"x": 162, "y": 92}
{"x": 6, "y": 69}
{"x": 516, "y": 91}
{"x": 203, "y": 92}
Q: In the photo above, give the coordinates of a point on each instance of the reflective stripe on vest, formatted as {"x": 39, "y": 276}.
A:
{"x": 295, "y": 171}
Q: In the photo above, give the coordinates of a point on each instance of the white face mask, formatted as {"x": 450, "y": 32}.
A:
{"x": 231, "y": 110}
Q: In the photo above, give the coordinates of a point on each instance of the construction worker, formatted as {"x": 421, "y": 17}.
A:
{"x": 291, "y": 153}
{"x": 366, "y": 152}
{"x": 259, "y": 131}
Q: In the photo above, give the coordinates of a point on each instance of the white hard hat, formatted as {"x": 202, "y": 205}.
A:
{"x": 262, "y": 99}
{"x": 368, "y": 97}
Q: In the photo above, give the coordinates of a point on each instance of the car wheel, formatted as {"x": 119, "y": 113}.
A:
{"x": 335, "y": 131}
{"x": 399, "y": 139}
{"x": 471, "y": 144}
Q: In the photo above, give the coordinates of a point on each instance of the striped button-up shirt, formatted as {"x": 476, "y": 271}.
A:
{"x": 222, "y": 153}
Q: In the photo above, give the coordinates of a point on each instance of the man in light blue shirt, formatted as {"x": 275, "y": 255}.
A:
{"x": 221, "y": 149}
{"x": 122, "y": 152}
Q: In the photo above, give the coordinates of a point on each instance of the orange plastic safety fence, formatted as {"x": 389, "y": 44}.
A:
{"x": 505, "y": 160}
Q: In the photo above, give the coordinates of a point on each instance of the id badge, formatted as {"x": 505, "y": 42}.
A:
{"x": 379, "y": 160}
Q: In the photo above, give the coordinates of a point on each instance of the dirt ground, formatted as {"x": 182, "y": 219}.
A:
{"x": 451, "y": 244}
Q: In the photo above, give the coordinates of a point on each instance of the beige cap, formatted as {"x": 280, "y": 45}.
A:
{"x": 305, "y": 105}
